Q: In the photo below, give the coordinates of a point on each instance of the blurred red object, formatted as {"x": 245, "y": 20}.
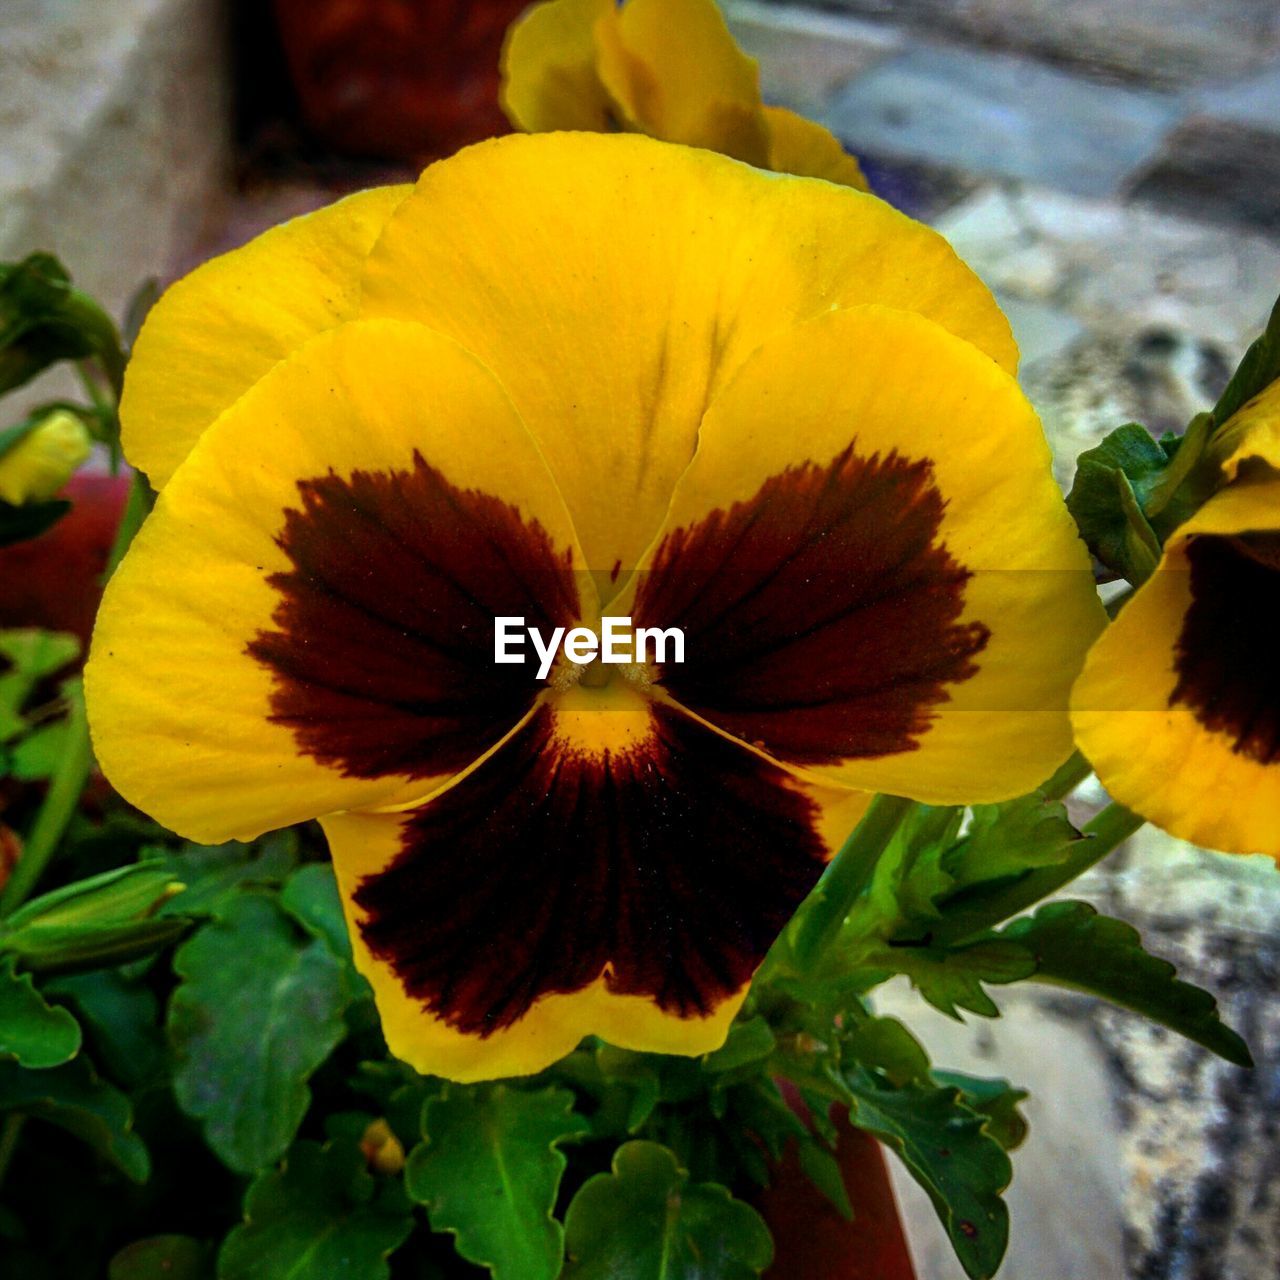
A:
{"x": 400, "y": 79}
{"x": 812, "y": 1241}
{"x": 55, "y": 581}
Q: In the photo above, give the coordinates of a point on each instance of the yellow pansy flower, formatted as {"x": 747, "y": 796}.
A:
{"x": 44, "y": 459}
{"x": 573, "y": 376}
{"x": 667, "y": 68}
{"x": 1178, "y": 707}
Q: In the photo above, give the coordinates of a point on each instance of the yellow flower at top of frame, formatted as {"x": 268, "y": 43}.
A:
{"x": 667, "y": 68}
{"x": 1178, "y": 707}
{"x": 569, "y": 376}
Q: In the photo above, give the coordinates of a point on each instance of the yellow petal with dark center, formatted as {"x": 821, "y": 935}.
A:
{"x": 803, "y": 147}
{"x": 877, "y": 577}
{"x": 613, "y": 284}
{"x": 306, "y": 621}
{"x": 1178, "y": 707}
{"x": 1253, "y": 433}
{"x": 218, "y": 330}
{"x": 676, "y": 73}
{"x": 612, "y": 869}
{"x": 549, "y": 77}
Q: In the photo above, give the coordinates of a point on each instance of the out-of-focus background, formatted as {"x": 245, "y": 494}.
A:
{"x": 1110, "y": 167}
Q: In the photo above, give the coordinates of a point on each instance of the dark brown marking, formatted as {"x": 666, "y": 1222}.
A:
{"x": 822, "y": 615}
{"x": 672, "y": 866}
{"x": 383, "y": 657}
{"x": 1228, "y": 656}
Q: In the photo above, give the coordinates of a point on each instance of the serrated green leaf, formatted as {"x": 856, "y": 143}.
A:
{"x": 489, "y": 1172}
{"x": 1008, "y": 839}
{"x": 121, "y": 1016}
{"x": 1257, "y": 371}
{"x": 823, "y": 1170}
{"x": 646, "y": 1221}
{"x": 32, "y": 1032}
{"x": 258, "y": 1010}
{"x": 748, "y": 1042}
{"x": 998, "y": 1100}
{"x": 74, "y": 1098}
{"x": 945, "y": 1146}
{"x": 952, "y": 979}
{"x": 1073, "y": 946}
{"x": 885, "y": 1044}
{"x": 320, "y": 1217}
{"x": 162, "y": 1258}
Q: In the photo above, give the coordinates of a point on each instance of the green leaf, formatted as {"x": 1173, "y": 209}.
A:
{"x": 946, "y": 1148}
{"x": 1257, "y": 371}
{"x": 823, "y": 1170}
{"x": 748, "y": 1042}
{"x": 1073, "y": 946}
{"x": 952, "y": 979}
{"x": 121, "y": 1016}
{"x": 489, "y": 1172}
{"x": 162, "y": 1258}
{"x": 1008, "y": 839}
{"x": 35, "y": 757}
{"x": 998, "y": 1100}
{"x": 214, "y": 874}
{"x": 19, "y": 524}
{"x": 36, "y": 1034}
{"x": 886, "y": 1045}
{"x": 74, "y": 1098}
{"x": 258, "y": 1010}
{"x": 646, "y": 1221}
{"x": 30, "y": 655}
{"x": 320, "y": 1217}
{"x": 310, "y": 895}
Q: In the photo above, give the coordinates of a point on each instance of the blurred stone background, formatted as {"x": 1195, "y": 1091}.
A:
{"x": 1112, "y": 169}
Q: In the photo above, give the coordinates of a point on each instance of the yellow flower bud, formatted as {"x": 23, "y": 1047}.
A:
{"x": 382, "y": 1149}
{"x": 44, "y": 459}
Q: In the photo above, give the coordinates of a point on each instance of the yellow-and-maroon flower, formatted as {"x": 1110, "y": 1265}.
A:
{"x": 667, "y": 68}
{"x": 572, "y": 375}
{"x": 1178, "y": 707}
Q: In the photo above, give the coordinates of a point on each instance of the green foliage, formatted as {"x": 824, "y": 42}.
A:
{"x": 32, "y": 1032}
{"x": 1259, "y": 368}
{"x": 322, "y": 1216}
{"x": 645, "y": 1220}
{"x": 28, "y": 656}
{"x": 259, "y": 1008}
{"x": 489, "y": 1171}
{"x": 169, "y": 1257}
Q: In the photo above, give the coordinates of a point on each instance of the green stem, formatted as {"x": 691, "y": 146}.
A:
{"x": 68, "y": 781}
{"x": 1114, "y": 825}
{"x": 1067, "y": 779}
{"x": 848, "y": 875}
{"x": 9, "y": 1136}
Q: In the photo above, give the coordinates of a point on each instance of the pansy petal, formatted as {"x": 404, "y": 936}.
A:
{"x": 218, "y": 330}
{"x": 1178, "y": 707}
{"x": 306, "y": 621}
{"x": 613, "y": 284}
{"x": 676, "y": 73}
{"x": 549, "y": 78}
{"x": 1252, "y": 434}
{"x": 803, "y": 147}
{"x": 877, "y": 577}
{"x": 614, "y": 868}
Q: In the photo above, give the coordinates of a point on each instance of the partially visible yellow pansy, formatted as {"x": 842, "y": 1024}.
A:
{"x": 1178, "y": 707}
{"x": 577, "y": 374}
{"x": 1252, "y": 434}
{"x": 44, "y": 459}
{"x": 668, "y": 68}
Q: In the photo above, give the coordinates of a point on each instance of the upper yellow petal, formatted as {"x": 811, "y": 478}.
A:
{"x": 305, "y": 622}
{"x": 803, "y": 147}
{"x": 1152, "y": 746}
{"x": 549, "y": 77}
{"x": 218, "y": 330}
{"x": 676, "y": 73}
{"x": 613, "y": 284}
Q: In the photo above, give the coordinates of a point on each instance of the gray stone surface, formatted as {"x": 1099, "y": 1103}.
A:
{"x": 1251, "y": 100}
{"x": 115, "y": 126}
{"x": 996, "y": 114}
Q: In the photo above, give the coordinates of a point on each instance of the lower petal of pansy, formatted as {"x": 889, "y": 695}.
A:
{"x": 803, "y": 147}
{"x": 306, "y": 621}
{"x": 1252, "y": 434}
{"x": 613, "y": 868}
{"x": 876, "y": 575}
{"x": 1178, "y": 707}
{"x": 218, "y": 330}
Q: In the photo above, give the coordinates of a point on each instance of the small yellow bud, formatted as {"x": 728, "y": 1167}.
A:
{"x": 382, "y": 1149}
{"x": 44, "y": 459}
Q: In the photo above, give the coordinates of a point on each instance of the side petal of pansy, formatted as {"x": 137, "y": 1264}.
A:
{"x": 215, "y": 332}
{"x": 614, "y": 284}
{"x": 1251, "y": 434}
{"x": 305, "y": 623}
{"x": 675, "y": 73}
{"x": 549, "y": 76}
{"x": 803, "y": 147}
{"x": 877, "y": 577}
{"x": 614, "y": 868}
{"x": 1178, "y": 707}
